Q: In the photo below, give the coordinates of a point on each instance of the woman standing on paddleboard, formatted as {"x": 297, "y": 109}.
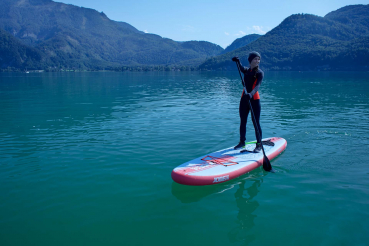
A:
{"x": 253, "y": 77}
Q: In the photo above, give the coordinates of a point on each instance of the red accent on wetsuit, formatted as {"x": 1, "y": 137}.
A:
{"x": 256, "y": 95}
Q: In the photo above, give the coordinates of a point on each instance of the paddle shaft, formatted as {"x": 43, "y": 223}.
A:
{"x": 267, "y": 166}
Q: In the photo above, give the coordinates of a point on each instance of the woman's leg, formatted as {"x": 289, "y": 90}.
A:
{"x": 244, "y": 112}
{"x": 256, "y": 106}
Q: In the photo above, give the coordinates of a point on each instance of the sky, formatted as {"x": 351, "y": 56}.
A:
{"x": 216, "y": 21}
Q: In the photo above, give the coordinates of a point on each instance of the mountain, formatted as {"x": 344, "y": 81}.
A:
{"x": 72, "y": 36}
{"x": 15, "y": 54}
{"x": 355, "y": 16}
{"x": 240, "y": 42}
{"x": 308, "y": 42}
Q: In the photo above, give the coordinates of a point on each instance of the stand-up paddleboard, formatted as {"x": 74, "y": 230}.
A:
{"x": 227, "y": 164}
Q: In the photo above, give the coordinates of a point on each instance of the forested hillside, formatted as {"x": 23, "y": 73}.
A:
{"x": 338, "y": 41}
{"x": 15, "y": 54}
{"x": 42, "y": 34}
{"x": 71, "y": 36}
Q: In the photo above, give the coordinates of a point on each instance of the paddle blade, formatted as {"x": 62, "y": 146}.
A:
{"x": 266, "y": 164}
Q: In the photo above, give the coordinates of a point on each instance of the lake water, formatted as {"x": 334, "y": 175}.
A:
{"x": 86, "y": 159}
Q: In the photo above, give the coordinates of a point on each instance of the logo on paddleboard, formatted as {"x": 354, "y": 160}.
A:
{"x": 221, "y": 179}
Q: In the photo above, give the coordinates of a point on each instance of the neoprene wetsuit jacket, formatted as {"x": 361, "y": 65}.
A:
{"x": 252, "y": 80}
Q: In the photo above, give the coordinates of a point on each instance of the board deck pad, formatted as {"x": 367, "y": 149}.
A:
{"x": 226, "y": 164}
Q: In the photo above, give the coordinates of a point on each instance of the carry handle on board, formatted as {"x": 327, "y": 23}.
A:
{"x": 266, "y": 163}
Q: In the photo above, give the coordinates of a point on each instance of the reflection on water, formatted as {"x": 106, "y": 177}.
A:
{"x": 189, "y": 194}
{"x": 246, "y": 205}
{"x": 245, "y": 189}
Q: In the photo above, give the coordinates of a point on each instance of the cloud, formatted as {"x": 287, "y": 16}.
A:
{"x": 258, "y": 29}
{"x": 250, "y": 30}
{"x": 145, "y": 31}
{"x": 240, "y": 33}
{"x": 188, "y": 28}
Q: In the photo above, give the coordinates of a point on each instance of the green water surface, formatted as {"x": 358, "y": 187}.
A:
{"x": 86, "y": 159}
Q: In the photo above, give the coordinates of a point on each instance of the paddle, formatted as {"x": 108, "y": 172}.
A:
{"x": 266, "y": 163}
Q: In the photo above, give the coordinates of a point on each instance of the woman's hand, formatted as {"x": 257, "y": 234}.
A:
{"x": 248, "y": 96}
{"x": 236, "y": 59}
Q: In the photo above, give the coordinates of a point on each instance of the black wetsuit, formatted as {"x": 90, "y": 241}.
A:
{"x": 252, "y": 80}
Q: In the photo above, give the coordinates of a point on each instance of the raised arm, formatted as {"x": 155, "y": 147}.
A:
{"x": 242, "y": 68}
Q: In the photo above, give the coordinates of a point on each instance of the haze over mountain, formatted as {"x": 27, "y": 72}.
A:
{"x": 72, "y": 36}
{"x": 338, "y": 41}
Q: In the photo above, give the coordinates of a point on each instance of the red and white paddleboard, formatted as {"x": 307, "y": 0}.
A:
{"x": 227, "y": 164}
